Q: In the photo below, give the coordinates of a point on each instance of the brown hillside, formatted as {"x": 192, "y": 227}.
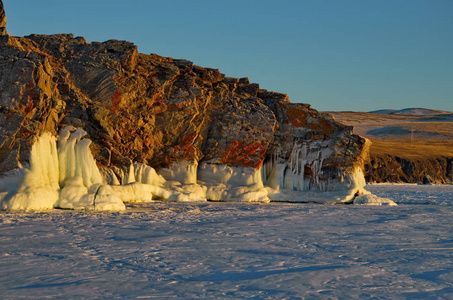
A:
{"x": 406, "y": 136}
{"x": 405, "y": 148}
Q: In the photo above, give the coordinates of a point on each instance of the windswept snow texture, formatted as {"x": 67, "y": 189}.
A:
{"x": 235, "y": 250}
{"x": 414, "y": 193}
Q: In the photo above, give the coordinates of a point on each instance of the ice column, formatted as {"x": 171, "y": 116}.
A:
{"x": 80, "y": 179}
{"x": 297, "y": 162}
{"x": 316, "y": 169}
{"x": 39, "y": 188}
{"x": 75, "y": 157}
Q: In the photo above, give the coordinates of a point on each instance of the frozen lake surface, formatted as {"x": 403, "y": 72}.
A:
{"x": 236, "y": 250}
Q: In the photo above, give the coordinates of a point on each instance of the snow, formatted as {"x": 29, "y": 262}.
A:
{"x": 213, "y": 250}
{"x": 414, "y": 194}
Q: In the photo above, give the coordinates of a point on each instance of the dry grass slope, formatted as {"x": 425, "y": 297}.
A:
{"x": 406, "y": 136}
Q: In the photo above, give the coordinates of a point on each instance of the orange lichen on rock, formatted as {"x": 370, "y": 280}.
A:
{"x": 186, "y": 149}
{"x": 297, "y": 116}
{"x": 116, "y": 101}
{"x": 238, "y": 152}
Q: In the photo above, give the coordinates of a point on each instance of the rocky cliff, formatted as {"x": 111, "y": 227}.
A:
{"x": 392, "y": 168}
{"x": 189, "y": 123}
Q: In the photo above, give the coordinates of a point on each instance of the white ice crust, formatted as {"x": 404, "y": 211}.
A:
{"x": 64, "y": 175}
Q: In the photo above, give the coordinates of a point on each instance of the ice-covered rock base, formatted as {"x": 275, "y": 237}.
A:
{"x": 64, "y": 175}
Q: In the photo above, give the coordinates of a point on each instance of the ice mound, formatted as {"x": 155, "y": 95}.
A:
{"x": 232, "y": 183}
{"x": 370, "y": 199}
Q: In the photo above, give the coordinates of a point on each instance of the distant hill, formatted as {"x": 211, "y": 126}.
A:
{"x": 411, "y": 112}
{"x": 409, "y": 145}
{"x": 383, "y": 111}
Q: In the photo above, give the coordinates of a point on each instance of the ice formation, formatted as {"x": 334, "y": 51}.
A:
{"x": 183, "y": 171}
{"x": 290, "y": 174}
{"x": 232, "y": 183}
{"x": 370, "y": 199}
{"x": 63, "y": 178}
{"x": 64, "y": 174}
{"x": 35, "y": 187}
{"x": 287, "y": 180}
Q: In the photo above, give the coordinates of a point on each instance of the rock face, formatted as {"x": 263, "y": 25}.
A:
{"x": 390, "y": 168}
{"x": 2, "y": 20}
{"x": 162, "y": 112}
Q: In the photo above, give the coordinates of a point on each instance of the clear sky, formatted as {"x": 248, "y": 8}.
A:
{"x": 359, "y": 55}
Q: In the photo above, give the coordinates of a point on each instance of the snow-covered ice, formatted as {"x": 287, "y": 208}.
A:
{"x": 210, "y": 250}
{"x": 414, "y": 193}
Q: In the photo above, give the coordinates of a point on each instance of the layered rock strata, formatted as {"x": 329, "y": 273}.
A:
{"x": 193, "y": 125}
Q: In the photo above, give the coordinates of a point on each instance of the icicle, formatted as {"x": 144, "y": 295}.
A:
{"x": 297, "y": 162}
{"x": 130, "y": 176}
{"x": 281, "y": 168}
{"x": 110, "y": 177}
{"x": 304, "y": 161}
{"x": 44, "y": 163}
{"x": 316, "y": 169}
{"x": 66, "y": 154}
{"x": 86, "y": 165}
{"x": 75, "y": 157}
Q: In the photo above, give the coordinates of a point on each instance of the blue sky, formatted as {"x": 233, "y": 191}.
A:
{"x": 359, "y": 55}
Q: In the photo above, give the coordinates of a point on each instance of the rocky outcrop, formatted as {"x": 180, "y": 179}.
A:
{"x": 390, "y": 168}
{"x": 149, "y": 108}
{"x": 161, "y": 112}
